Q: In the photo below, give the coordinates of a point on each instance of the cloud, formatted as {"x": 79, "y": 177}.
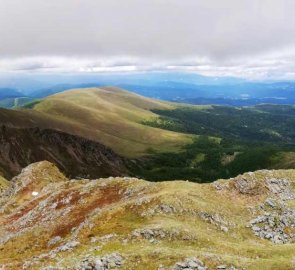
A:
{"x": 247, "y": 38}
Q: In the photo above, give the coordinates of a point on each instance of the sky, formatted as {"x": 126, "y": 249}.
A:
{"x": 253, "y": 39}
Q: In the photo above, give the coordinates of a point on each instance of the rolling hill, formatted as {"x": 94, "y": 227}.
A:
{"x": 50, "y": 222}
{"x": 103, "y": 118}
{"x": 112, "y": 117}
{"x": 106, "y": 115}
{"x": 159, "y": 140}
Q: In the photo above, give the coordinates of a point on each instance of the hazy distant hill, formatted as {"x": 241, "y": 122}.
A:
{"x": 183, "y": 87}
{"x": 9, "y": 93}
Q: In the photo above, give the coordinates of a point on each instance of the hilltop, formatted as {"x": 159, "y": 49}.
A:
{"x": 110, "y": 116}
{"x": 50, "y": 222}
{"x": 113, "y": 117}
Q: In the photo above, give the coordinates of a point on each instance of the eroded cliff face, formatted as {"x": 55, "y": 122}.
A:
{"x": 50, "y": 222}
{"x": 74, "y": 155}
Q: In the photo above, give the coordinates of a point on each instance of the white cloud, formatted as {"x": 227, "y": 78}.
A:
{"x": 273, "y": 65}
{"x": 246, "y": 38}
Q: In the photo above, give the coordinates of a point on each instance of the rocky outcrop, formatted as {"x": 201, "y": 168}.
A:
{"x": 277, "y": 221}
{"x": 110, "y": 261}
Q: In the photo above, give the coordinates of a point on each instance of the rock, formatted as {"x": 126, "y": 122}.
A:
{"x": 69, "y": 246}
{"x": 270, "y": 202}
{"x": 281, "y": 188}
{"x": 110, "y": 261}
{"x": 247, "y": 186}
{"x": 54, "y": 240}
{"x": 224, "y": 229}
{"x": 216, "y": 220}
{"x": 190, "y": 264}
{"x": 221, "y": 267}
{"x": 167, "y": 209}
{"x": 149, "y": 233}
{"x": 107, "y": 238}
{"x": 277, "y": 226}
{"x": 256, "y": 229}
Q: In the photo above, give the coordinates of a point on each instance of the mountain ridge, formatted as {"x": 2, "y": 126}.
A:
{"x": 50, "y": 222}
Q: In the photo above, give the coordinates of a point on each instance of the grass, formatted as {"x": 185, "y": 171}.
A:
{"x": 120, "y": 215}
{"x": 112, "y": 117}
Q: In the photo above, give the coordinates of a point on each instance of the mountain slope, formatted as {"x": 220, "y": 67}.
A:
{"x": 74, "y": 155}
{"x": 113, "y": 117}
{"x": 84, "y": 132}
{"x": 50, "y": 222}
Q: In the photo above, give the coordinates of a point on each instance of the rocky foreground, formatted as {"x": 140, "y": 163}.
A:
{"x": 50, "y": 222}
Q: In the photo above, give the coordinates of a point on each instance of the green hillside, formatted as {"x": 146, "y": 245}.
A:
{"x": 251, "y": 138}
{"x": 112, "y": 117}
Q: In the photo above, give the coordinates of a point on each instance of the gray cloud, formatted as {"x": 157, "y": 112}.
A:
{"x": 246, "y": 38}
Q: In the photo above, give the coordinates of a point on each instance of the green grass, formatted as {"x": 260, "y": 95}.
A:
{"x": 112, "y": 117}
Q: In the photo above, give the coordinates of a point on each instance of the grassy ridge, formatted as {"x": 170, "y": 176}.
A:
{"x": 113, "y": 117}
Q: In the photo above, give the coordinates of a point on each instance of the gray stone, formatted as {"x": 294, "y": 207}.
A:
{"x": 190, "y": 264}
{"x": 221, "y": 267}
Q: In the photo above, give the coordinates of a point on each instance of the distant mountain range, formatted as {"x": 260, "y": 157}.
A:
{"x": 10, "y": 93}
{"x": 179, "y": 87}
